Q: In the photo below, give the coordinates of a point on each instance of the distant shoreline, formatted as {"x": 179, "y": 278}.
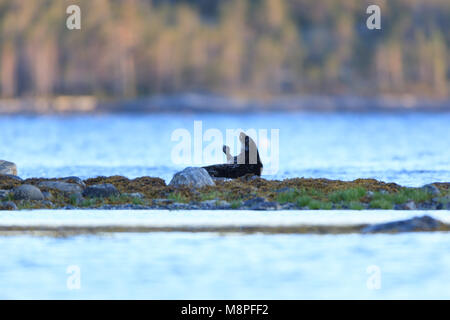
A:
{"x": 209, "y": 103}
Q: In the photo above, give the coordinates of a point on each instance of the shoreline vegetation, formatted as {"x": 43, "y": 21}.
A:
{"x": 212, "y": 103}
{"x": 245, "y": 193}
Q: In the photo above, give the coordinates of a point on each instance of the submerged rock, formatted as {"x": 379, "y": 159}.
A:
{"x": 7, "y": 167}
{"x": 424, "y": 223}
{"x": 192, "y": 176}
{"x": 100, "y": 191}
{"x": 27, "y": 192}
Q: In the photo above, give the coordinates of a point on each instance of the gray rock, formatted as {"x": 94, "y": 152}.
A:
{"x": 75, "y": 180}
{"x": 431, "y": 188}
{"x": 430, "y": 205}
{"x": 11, "y": 176}
{"x": 212, "y": 204}
{"x": 192, "y": 176}
{"x": 67, "y": 188}
{"x": 7, "y": 167}
{"x": 8, "y": 205}
{"x": 134, "y": 195}
{"x": 289, "y": 206}
{"x": 47, "y": 195}
{"x": 100, "y": 191}
{"x": 27, "y": 192}
{"x": 76, "y": 198}
{"x": 222, "y": 204}
{"x": 410, "y": 205}
{"x": 4, "y": 194}
{"x": 162, "y": 202}
{"x": 178, "y": 206}
{"x": 424, "y": 223}
{"x": 261, "y": 204}
{"x": 370, "y": 194}
{"x": 47, "y": 203}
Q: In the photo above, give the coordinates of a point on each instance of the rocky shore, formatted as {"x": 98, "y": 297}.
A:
{"x": 194, "y": 189}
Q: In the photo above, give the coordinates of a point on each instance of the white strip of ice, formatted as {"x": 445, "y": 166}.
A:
{"x": 205, "y": 218}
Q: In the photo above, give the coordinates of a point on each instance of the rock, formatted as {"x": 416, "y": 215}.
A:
{"x": 47, "y": 195}
{"x": 261, "y": 204}
{"x": 222, "y": 204}
{"x": 76, "y": 198}
{"x": 7, "y": 167}
{"x": 213, "y": 204}
{"x": 191, "y": 176}
{"x": 75, "y": 180}
{"x": 289, "y": 206}
{"x": 424, "y": 223}
{"x": 178, "y": 206}
{"x": 137, "y": 195}
{"x": 27, "y": 192}
{"x": 100, "y": 191}
{"x": 433, "y": 204}
{"x": 8, "y": 205}
{"x": 4, "y": 194}
{"x": 47, "y": 203}
{"x": 370, "y": 194}
{"x": 209, "y": 203}
{"x": 410, "y": 205}
{"x": 431, "y": 188}
{"x": 161, "y": 202}
{"x": 13, "y": 177}
{"x": 67, "y": 188}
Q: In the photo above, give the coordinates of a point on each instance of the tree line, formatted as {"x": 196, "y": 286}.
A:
{"x": 239, "y": 47}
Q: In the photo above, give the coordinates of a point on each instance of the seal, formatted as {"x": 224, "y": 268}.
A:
{"x": 247, "y": 162}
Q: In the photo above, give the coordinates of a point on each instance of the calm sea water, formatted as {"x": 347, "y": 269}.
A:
{"x": 210, "y": 266}
{"x": 410, "y": 149}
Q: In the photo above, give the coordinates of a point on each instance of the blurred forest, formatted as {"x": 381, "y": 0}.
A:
{"x": 234, "y": 47}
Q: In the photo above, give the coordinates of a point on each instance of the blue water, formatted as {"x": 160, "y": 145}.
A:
{"x": 410, "y": 149}
{"x": 210, "y": 266}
